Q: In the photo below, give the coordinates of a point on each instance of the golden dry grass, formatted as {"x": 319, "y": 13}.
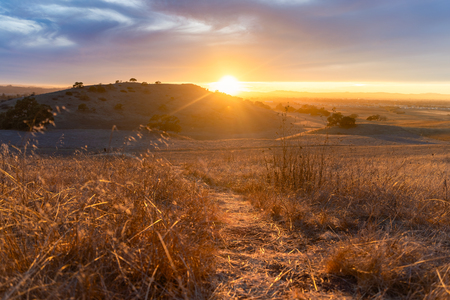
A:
{"x": 377, "y": 219}
{"x": 88, "y": 227}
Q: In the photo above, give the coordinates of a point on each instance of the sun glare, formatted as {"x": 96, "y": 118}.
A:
{"x": 227, "y": 84}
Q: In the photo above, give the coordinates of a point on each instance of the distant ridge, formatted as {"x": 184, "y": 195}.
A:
{"x": 14, "y": 90}
{"x": 347, "y": 95}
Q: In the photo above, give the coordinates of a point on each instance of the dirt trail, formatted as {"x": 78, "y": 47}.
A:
{"x": 257, "y": 259}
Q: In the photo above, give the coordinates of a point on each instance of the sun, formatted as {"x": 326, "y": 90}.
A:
{"x": 228, "y": 85}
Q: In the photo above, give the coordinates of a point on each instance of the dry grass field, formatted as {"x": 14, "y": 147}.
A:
{"x": 102, "y": 228}
{"x": 316, "y": 213}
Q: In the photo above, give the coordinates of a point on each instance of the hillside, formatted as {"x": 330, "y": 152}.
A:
{"x": 129, "y": 105}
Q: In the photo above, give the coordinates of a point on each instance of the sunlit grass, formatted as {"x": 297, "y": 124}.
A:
{"x": 102, "y": 227}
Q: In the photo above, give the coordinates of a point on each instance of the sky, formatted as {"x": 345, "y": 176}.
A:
{"x": 395, "y": 45}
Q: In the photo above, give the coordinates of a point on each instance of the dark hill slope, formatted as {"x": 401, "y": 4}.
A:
{"x": 129, "y": 105}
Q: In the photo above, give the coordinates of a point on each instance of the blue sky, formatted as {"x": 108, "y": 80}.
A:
{"x": 59, "y": 42}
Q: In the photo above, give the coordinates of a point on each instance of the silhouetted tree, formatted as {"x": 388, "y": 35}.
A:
{"x": 78, "y": 85}
{"x": 337, "y": 119}
{"x": 133, "y": 79}
{"x": 26, "y": 114}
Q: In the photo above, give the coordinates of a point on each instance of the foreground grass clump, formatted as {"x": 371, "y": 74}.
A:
{"x": 376, "y": 219}
{"x": 101, "y": 227}
{"x": 389, "y": 212}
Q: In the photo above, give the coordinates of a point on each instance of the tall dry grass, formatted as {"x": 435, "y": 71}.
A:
{"x": 381, "y": 214}
{"x": 88, "y": 227}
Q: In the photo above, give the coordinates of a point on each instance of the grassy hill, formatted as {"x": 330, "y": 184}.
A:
{"x": 129, "y": 105}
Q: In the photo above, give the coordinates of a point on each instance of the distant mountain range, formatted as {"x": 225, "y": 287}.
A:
{"x": 345, "y": 95}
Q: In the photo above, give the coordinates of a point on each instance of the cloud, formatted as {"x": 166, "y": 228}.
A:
{"x": 260, "y": 39}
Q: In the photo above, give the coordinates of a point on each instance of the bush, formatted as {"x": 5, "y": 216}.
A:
{"x": 133, "y": 79}
{"x": 102, "y": 98}
{"x": 337, "y": 119}
{"x": 347, "y": 122}
{"x": 313, "y": 110}
{"x": 83, "y": 107}
{"x": 165, "y": 123}
{"x": 78, "y": 85}
{"x": 118, "y": 106}
{"x": 26, "y": 114}
{"x": 144, "y": 83}
{"x": 69, "y": 93}
{"x": 123, "y": 91}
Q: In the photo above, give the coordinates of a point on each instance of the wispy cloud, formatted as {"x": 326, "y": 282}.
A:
{"x": 285, "y": 40}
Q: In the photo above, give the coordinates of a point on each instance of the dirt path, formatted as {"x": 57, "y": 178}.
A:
{"x": 257, "y": 259}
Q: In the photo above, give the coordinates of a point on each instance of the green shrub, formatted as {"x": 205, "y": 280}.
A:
{"x": 165, "y": 123}
{"x": 26, "y": 114}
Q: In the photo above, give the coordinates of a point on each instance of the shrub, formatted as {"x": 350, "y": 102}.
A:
{"x": 313, "y": 110}
{"x": 129, "y": 88}
{"x": 144, "y": 83}
{"x": 83, "y": 107}
{"x": 92, "y": 89}
{"x": 69, "y": 93}
{"x": 165, "y": 123}
{"x": 158, "y": 82}
{"x": 118, "y": 106}
{"x": 102, "y": 98}
{"x": 354, "y": 116}
{"x": 123, "y": 91}
{"x": 347, "y": 122}
{"x": 133, "y": 79}
{"x": 337, "y": 119}
{"x": 26, "y": 115}
{"x": 78, "y": 85}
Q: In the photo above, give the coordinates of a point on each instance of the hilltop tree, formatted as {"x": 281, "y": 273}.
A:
{"x": 26, "y": 114}
{"x": 133, "y": 79}
{"x": 78, "y": 85}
